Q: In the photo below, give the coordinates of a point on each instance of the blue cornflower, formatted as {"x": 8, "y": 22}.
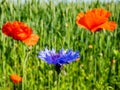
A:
{"x": 58, "y": 59}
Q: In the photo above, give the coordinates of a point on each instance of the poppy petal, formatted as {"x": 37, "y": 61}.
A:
{"x": 32, "y": 40}
{"x": 21, "y": 31}
{"x": 80, "y": 20}
{"x": 108, "y": 26}
{"x": 101, "y": 12}
{"x": 7, "y": 29}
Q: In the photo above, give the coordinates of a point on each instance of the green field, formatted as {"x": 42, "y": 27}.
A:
{"x": 55, "y": 23}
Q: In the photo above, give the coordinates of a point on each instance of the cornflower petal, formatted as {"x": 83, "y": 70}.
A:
{"x": 63, "y": 57}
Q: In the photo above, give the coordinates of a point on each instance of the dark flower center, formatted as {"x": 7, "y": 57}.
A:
{"x": 55, "y": 57}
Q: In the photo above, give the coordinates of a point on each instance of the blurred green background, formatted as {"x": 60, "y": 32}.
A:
{"x": 99, "y": 64}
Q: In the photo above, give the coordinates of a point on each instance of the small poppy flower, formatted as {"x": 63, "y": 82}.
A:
{"x": 20, "y": 31}
{"x": 58, "y": 59}
{"x": 15, "y": 78}
{"x": 95, "y": 20}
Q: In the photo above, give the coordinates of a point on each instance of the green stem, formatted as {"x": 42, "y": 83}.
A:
{"x": 109, "y": 74}
{"x": 14, "y": 87}
{"x": 58, "y": 81}
{"x": 116, "y": 70}
{"x": 95, "y": 62}
{"x": 24, "y": 68}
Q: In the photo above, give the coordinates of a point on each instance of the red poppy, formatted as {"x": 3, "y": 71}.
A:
{"x": 95, "y": 20}
{"x": 16, "y": 79}
{"x": 19, "y": 31}
{"x": 32, "y": 40}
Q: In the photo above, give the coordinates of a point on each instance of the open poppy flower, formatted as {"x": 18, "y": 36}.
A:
{"x": 20, "y": 31}
{"x": 95, "y": 20}
{"x": 15, "y": 78}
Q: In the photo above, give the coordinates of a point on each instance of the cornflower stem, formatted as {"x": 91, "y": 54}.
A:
{"x": 58, "y": 79}
{"x": 24, "y": 67}
{"x": 58, "y": 70}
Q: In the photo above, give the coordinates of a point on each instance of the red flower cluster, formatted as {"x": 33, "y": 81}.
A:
{"x": 20, "y": 31}
{"x": 16, "y": 79}
{"x": 95, "y": 20}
